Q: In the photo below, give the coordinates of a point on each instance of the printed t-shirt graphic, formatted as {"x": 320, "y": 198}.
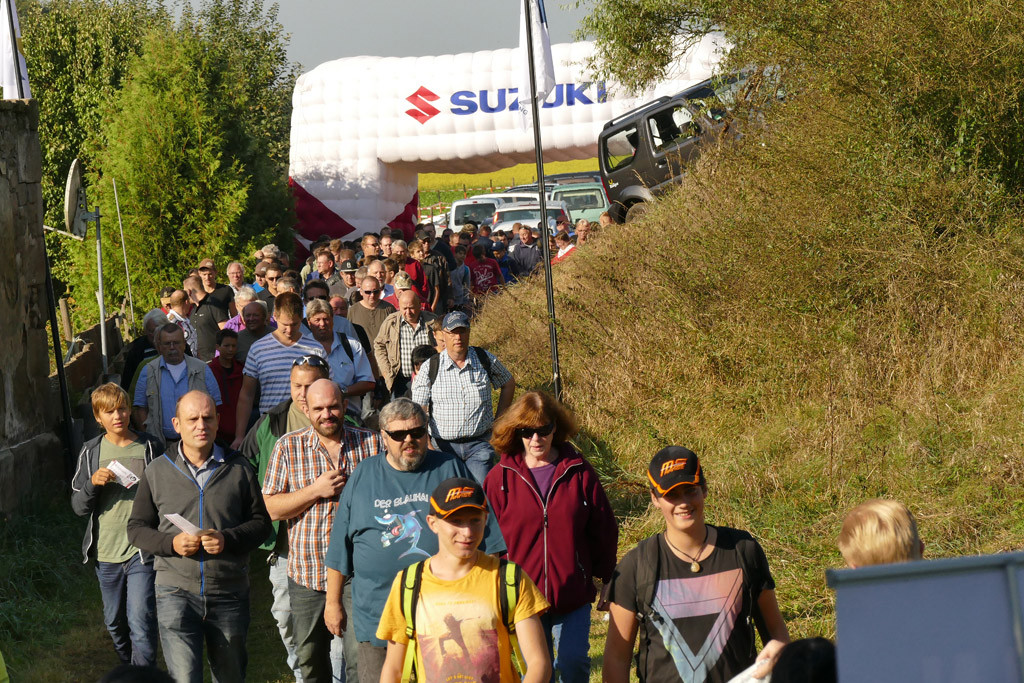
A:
{"x": 458, "y": 625}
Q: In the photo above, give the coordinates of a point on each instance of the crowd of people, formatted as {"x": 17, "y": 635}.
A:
{"x": 338, "y": 418}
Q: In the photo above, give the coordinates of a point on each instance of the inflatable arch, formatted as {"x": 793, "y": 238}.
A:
{"x": 363, "y": 128}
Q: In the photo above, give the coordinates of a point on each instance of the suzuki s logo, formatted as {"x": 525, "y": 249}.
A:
{"x": 421, "y": 99}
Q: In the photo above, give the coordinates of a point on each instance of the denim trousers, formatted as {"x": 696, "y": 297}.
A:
{"x": 479, "y": 455}
{"x": 281, "y": 610}
{"x": 321, "y": 655}
{"x": 187, "y": 620}
{"x": 568, "y": 638}
{"x": 129, "y": 608}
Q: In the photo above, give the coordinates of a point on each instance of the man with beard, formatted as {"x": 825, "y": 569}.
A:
{"x": 381, "y": 528}
{"x": 306, "y": 474}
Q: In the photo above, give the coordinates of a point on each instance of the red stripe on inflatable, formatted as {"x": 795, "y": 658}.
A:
{"x": 314, "y": 218}
{"x": 407, "y": 220}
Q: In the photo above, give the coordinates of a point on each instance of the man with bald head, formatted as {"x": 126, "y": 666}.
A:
{"x": 399, "y": 334}
{"x": 202, "y": 556}
{"x": 303, "y": 482}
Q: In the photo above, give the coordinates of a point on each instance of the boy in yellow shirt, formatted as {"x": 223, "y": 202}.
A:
{"x": 458, "y": 630}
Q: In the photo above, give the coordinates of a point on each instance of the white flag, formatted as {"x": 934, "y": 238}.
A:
{"x": 543, "y": 62}
{"x": 10, "y": 46}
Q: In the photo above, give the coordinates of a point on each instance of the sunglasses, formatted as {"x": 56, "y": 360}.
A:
{"x": 315, "y": 361}
{"x": 271, "y": 279}
{"x": 528, "y": 432}
{"x": 370, "y": 292}
{"x": 400, "y": 434}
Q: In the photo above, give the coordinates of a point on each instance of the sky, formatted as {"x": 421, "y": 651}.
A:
{"x": 322, "y": 30}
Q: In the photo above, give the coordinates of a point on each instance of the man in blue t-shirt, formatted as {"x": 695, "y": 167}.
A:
{"x": 381, "y": 528}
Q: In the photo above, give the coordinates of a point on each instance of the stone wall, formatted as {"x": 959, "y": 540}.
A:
{"x": 29, "y": 452}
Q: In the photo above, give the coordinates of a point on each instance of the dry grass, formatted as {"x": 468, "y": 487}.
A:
{"x": 822, "y": 324}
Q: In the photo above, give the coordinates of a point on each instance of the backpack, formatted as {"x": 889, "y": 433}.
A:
{"x": 435, "y": 366}
{"x": 510, "y": 576}
{"x": 648, "y": 569}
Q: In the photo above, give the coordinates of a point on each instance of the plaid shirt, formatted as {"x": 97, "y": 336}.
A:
{"x": 409, "y": 338}
{"x": 460, "y": 399}
{"x": 297, "y": 460}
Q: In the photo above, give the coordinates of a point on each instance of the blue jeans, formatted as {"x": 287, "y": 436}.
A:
{"x": 188, "y": 619}
{"x": 281, "y": 609}
{"x": 479, "y": 455}
{"x": 568, "y": 638}
{"x": 129, "y": 608}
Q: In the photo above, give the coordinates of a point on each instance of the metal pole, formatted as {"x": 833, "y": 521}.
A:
{"x": 103, "y": 308}
{"x": 124, "y": 251}
{"x": 58, "y": 357}
{"x": 17, "y": 60}
{"x": 545, "y": 245}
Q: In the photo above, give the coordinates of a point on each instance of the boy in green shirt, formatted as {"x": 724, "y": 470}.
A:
{"x": 109, "y": 467}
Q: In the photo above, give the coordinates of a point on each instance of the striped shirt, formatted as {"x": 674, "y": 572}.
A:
{"x": 269, "y": 362}
{"x": 297, "y": 460}
{"x": 460, "y": 398}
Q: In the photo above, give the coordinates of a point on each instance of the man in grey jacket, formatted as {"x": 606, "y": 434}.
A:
{"x": 202, "y": 557}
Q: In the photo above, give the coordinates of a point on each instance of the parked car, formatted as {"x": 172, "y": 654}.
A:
{"x": 646, "y": 150}
{"x": 585, "y": 200}
{"x": 528, "y": 213}
{"x": 478, "y": 210}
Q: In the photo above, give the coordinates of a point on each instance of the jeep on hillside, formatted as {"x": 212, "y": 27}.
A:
{"x": 644, "y": 151}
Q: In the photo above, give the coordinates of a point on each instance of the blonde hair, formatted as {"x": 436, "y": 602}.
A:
{"x": 879, "y": 531}
{"x": 109, "y": 396}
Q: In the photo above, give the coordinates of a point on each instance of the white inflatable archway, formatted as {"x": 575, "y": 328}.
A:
{"x": 363, "y": 128}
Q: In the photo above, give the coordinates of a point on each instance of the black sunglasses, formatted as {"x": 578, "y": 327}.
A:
{"x": 528, "y": 432}
{"x": 315, "y": 361}
{"x": 400, "y": 434}
{"x": 371, "y": 292}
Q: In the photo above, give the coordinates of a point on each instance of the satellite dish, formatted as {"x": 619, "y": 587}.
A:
{"x": 74, "y": 202}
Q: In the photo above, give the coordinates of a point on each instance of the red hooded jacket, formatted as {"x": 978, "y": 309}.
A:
{"x": 561, "y": 543}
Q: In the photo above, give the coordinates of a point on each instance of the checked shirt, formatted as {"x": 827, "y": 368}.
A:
{"x": 460, "y": 398}
{"x": 409, "y": 338}
{"x": 297, "y": 460}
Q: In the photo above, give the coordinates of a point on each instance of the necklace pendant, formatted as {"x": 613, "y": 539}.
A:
{"x": 695, "y": 567}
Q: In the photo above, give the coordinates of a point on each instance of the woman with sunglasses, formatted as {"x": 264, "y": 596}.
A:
{"x": 556, "y": 520}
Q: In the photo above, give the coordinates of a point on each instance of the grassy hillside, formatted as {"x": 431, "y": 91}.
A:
{"x": 824, "y": 314}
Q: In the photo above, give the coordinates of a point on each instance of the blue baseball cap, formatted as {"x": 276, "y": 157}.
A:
{"x": 455, "y": 320}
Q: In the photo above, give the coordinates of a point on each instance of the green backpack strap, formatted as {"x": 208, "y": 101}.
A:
{"x": 412, "y": 578}
{"x": 510, "y": 576}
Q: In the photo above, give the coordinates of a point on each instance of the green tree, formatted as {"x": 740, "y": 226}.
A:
{"x": 77, "y": 52}
{"x": 197, "y": 143}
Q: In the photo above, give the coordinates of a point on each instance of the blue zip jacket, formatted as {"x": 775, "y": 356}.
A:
{"x": 230, "y": 503}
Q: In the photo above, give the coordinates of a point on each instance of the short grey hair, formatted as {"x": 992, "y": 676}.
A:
{"x": 245, "y": 294}
{"x": 316, "y": 306}
{"x": 399, "y": 243}
{"x": 401, "y": 409}
{"x": 239, "y": 264}
{"x": 156, "y": 318}
{"x": 271, "y": 250}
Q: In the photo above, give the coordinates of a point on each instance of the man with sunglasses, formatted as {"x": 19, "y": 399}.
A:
{"x": 456, "y": 390}
{"x": 305, "y": 477}
{"x": 381, "y": 528}
{"x": 318, "y": 289}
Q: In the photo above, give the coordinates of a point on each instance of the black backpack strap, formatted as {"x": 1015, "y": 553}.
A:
{"x": 647, "y": 570}
{"x": 347, "y": 346}
{"x": 755, "y": 620}
{"x": 485, "y": 360}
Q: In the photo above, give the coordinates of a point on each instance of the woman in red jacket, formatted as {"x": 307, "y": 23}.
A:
{"x": 556, "y": 520}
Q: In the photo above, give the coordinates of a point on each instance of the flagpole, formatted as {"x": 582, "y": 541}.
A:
{"x": 545, "y": 244}
{"x": 14, "y": 49}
